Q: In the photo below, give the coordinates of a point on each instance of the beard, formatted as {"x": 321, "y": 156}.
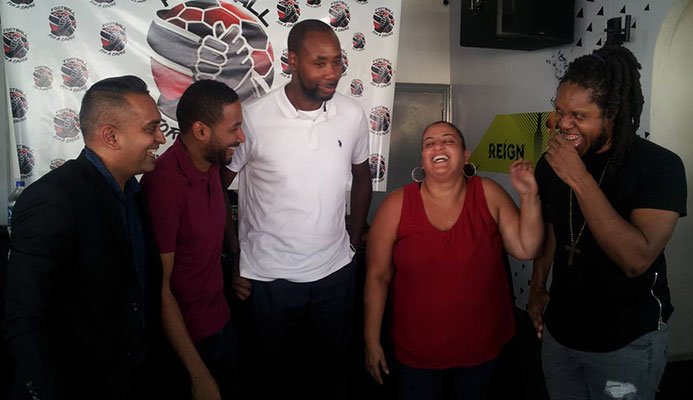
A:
{"x": 216, "y": 153}
{"x": 598, "y": 144}
{"x": 312, "y": 92}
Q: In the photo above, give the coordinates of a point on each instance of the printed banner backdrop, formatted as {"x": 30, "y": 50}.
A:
{"x": 511, "y": 137}
{"x": 54, "y": 50}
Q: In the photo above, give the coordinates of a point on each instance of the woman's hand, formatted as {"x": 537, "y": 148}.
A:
{"x": 522, "y": 178}
{"x": 375, "y": 359}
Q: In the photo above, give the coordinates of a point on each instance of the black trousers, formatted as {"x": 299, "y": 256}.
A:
{"x": 458, "y": 383}
{"x": 304, "y": 337}
{"x": 220, "y": 354}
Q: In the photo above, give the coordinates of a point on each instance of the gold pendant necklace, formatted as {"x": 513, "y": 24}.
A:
{"x": 572, "y": 247}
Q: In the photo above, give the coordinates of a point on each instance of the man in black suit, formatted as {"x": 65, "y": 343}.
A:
{"x": 84, "y": 275}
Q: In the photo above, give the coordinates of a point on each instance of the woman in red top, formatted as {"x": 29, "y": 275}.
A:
{"x": 440, "y": 244}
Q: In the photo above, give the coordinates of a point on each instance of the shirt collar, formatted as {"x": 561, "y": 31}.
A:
{"x": 186, "y": 164}
{"x": 131, "y": 185}
{"x": 289, "y": 111}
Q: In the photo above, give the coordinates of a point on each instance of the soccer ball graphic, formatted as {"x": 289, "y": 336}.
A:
{"x": 339, "y": 15}
{"x": 356, "y": 87}
{"x": 75, "y": 73}
{"x": 383, "y": 21}
{"x": 217, "y": 40}
{"x": 56, "y": 163}
{"x": 288, "y": 11}
{"x": 381, "y": 72}
{"x": 15, "y": 44}
{"x": 62, "y": 22}
{"x": 26, "y": 161}
{"x": 113, "y": 38}
{"x": 380, "y": 120}
{"x": 19, "y": 104}
{"x": 66, "y": 123}
{"x": 284, "y": 59}
{"x": 376, "y": 163}
{"x": 43, "y": 76}
{"x": 359, "y": 41}
{"x": 345, "y": 62}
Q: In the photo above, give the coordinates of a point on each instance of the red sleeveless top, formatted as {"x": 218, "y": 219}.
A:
{"x": 450, "y": 296}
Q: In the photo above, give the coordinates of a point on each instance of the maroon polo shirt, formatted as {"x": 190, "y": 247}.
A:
{"x": 188, "y": 214}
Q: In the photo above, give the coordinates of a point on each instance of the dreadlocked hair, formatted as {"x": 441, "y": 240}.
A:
{"x": 612, "y": 77}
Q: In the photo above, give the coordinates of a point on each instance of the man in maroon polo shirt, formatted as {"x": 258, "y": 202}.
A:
{"x": 186, "y": 201}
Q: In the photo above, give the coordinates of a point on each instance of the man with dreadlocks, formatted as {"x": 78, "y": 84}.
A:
{"x": 611, "y": 201}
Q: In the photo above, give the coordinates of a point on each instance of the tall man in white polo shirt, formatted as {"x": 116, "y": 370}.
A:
{"x": 304, "y": 143}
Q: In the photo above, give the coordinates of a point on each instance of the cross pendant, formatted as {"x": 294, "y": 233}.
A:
{"x": 572, "y": 249}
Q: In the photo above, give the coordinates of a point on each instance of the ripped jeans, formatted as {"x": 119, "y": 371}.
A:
{"x": 632, "y": 372}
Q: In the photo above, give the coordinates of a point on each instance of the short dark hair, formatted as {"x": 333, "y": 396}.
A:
{"x": 298, "y": 32}
{"x": 203, "y": 101}
{"x": 612, "y": 76}
{"x": 450, "y": 125}
{"x": 106, "y": 99}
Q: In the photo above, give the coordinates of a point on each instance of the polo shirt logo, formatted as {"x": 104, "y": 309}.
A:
{"x": 339, "y": 142}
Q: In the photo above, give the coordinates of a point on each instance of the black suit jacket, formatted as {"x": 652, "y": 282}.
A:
{"x": 74, "y": 309}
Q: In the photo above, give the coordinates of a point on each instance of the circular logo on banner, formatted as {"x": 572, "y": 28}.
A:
{"x": 383, "y": 21}
{"x": 103, "y": 3}
{"x": 288, "y": 12}
{"x": 362, "y": 1}
{"x": 216, "y": 40}
{"x": 75, "y": 74}
{"x": 380, "y": 120}
{"x": 345, "y": 62}
{"x": 15, "y": 44}
{"x": 284, "y": 59}
{"x": 313, "y": 3}
{"x": 376, "y": 162}
{"x": 381, "y": 72}
{"x": 43, "y": 78}
{"x": 359, "y": 41}
{"x": 26, "y": 161}
{"x": 356, "y": 87}
{"x": 339, "y": 16}
{"x": 21, "y": 4}
{"x": 113, "y": 38}
{"x": 62, "y": 22}
{"x": 66, "y": 124}
{"x": 55, "y": 163}
{"x": 20, "y": 106}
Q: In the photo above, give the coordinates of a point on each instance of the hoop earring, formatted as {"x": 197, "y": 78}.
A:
{"x": 467, "y": 167}
{"x": 413, "y": 174}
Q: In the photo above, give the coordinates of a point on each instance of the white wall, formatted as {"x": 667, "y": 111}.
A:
{"x": 672, "y": 85}
{"x": 487, "y": 82}
{"x": 424, "y": 42}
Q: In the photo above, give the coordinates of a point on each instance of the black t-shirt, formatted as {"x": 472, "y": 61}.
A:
{"x": 594, "y": 306}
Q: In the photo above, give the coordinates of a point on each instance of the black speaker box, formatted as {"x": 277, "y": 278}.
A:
{"x": 517, "y": 24}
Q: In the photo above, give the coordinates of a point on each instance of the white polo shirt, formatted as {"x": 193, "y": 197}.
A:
{"x": 294, "y": 170}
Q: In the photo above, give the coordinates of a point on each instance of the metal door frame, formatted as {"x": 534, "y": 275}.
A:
{"x": 445, "y": 90}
